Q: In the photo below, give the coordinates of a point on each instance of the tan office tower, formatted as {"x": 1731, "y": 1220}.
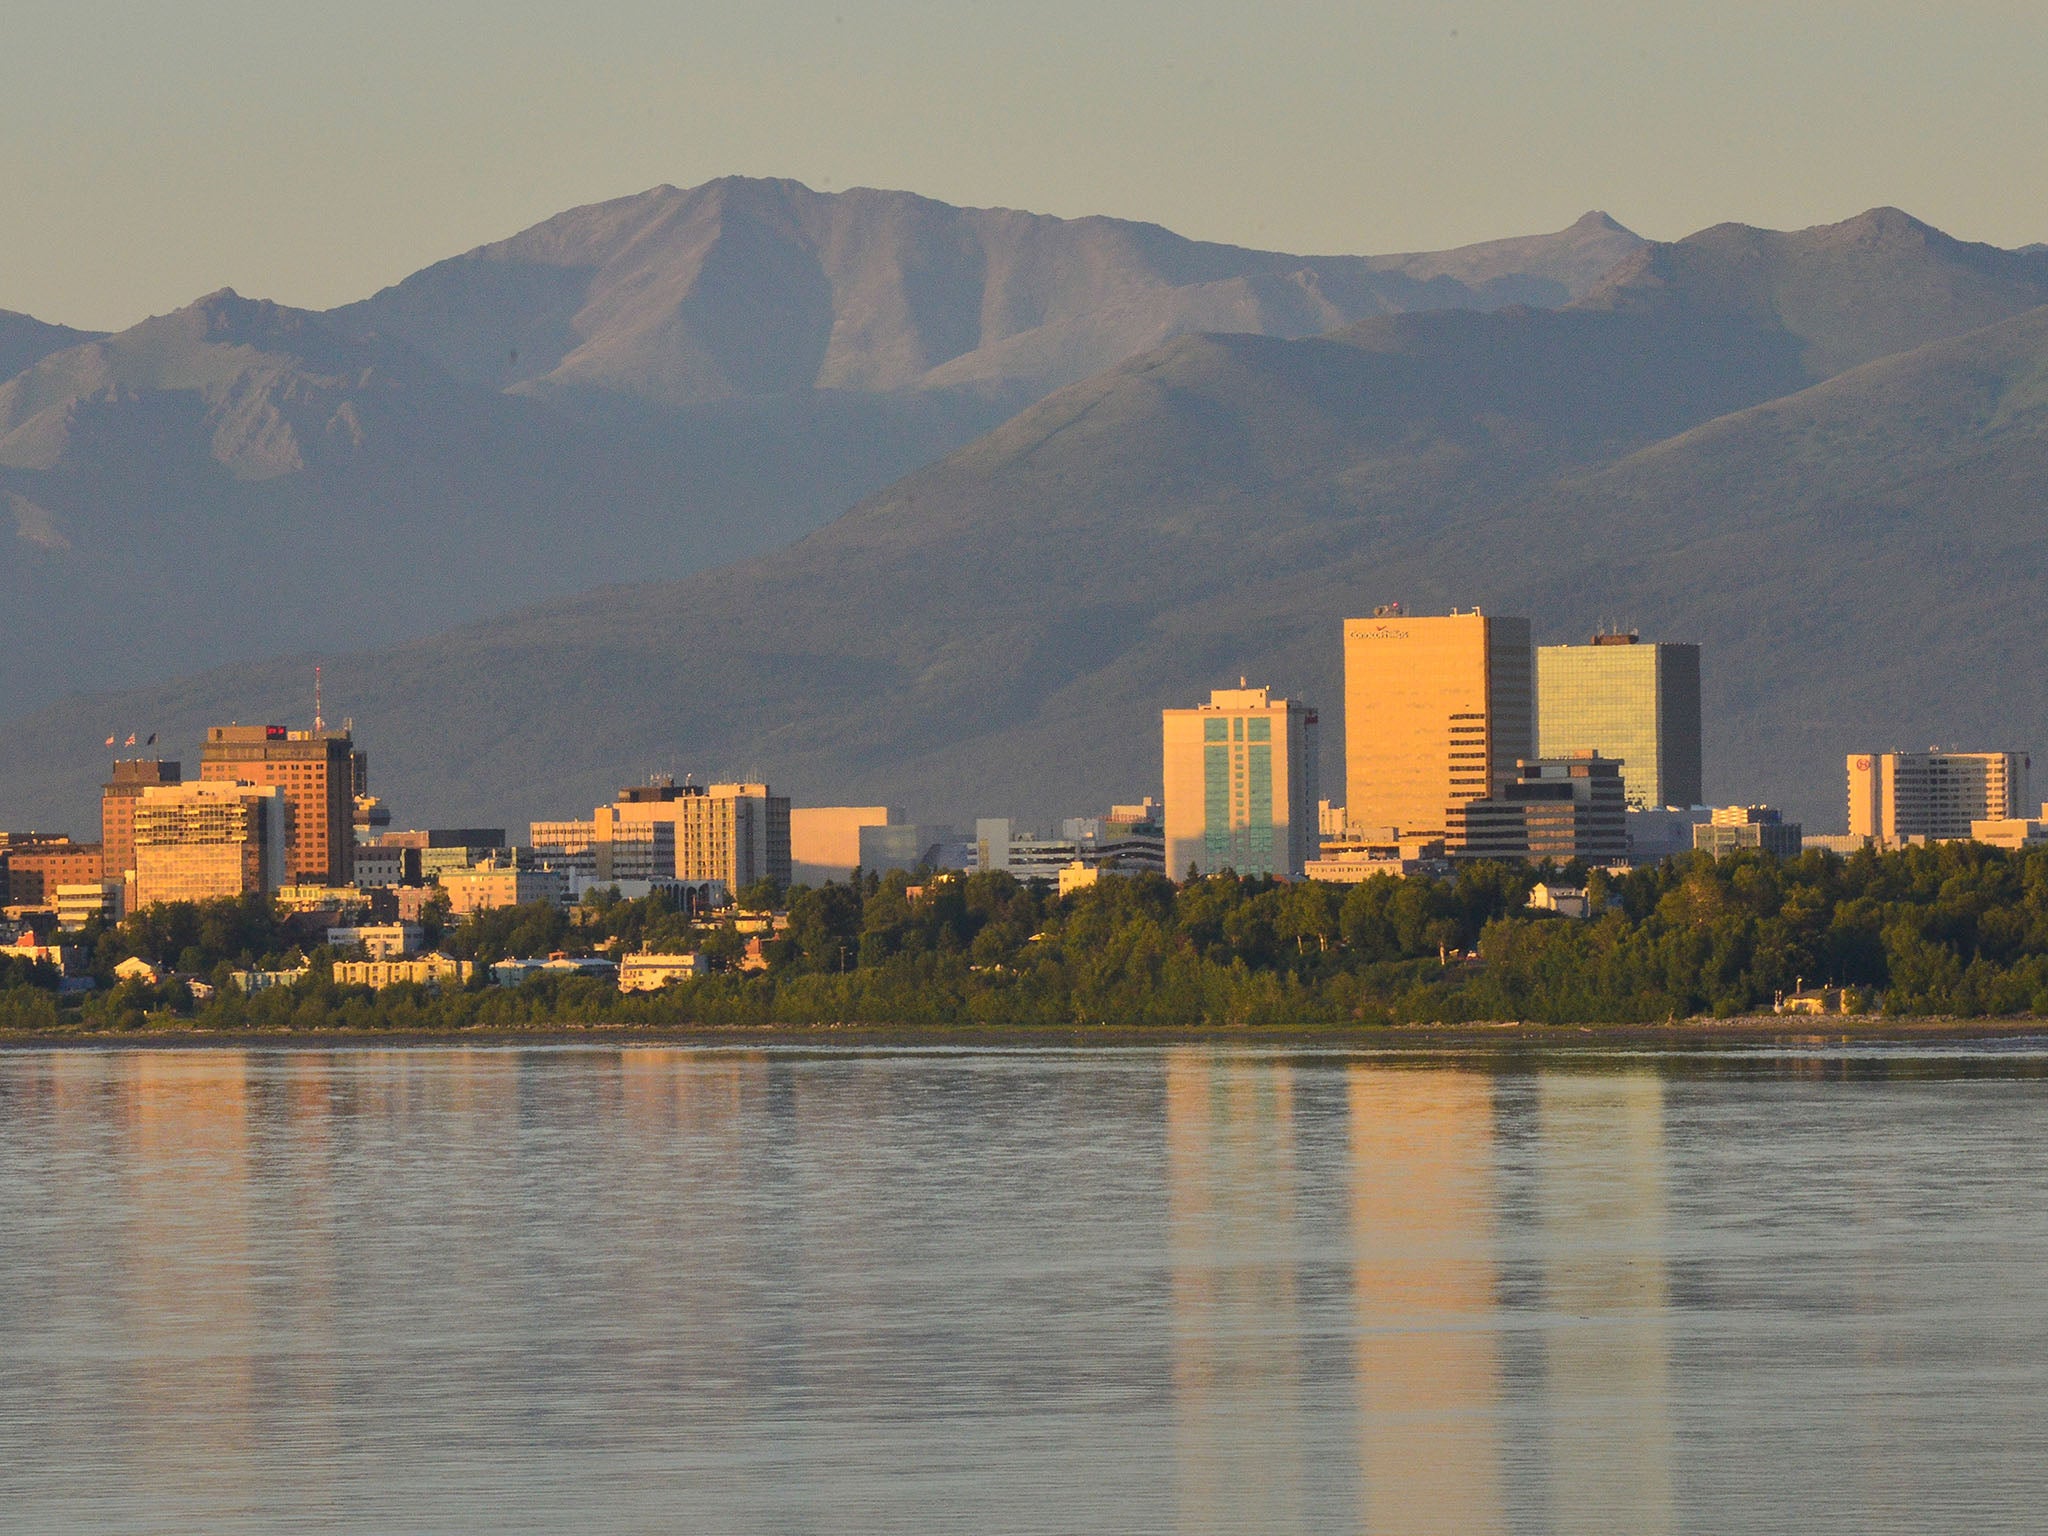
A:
{"x": 1241, "y": 785}
{"x": 316, "y": 771}
{"x": 1437, "y": 712}
{"x": 200, "y": 841}
{"x": 117, "y": 809}
{"x": 1894, "y": 796}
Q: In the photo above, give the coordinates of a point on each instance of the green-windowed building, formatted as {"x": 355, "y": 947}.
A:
{"x": 1622, "y": 696}
{"x": 1241, "y": 785}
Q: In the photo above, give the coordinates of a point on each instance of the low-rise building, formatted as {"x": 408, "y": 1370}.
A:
{"x": 501, "y": 883}
{"x": 1805, "y": 999}
{"x": 80, "y": 904}
{"x": 1564, "y": 900}
{"x": 381, "y": 865}
{"x": 1733, "y": 827}
{"x": 2012, "y": 831}
{"x": 510, "y": 973}
{"x": 410, "y": 902}
{"x": 911, "y": 845}
{"x": 1349, "y": 860}
{"x": 34, "y": 866}
{"x": 1661, "y": 832}
{"x": 67, "y": 960}
{"x": 422, "y": 971}
{"x": 264, "y": 981}
{"x": 825, "y": 840}
{"x": 384, "y": 941}
{"x": 650, "y": 973}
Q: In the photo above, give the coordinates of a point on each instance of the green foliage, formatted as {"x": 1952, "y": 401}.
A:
{"x": 1954, "y": 929}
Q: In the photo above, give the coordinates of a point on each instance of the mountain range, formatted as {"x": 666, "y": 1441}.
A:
{"x": 637, "y": 389}
{"x": 1821, "y": 453}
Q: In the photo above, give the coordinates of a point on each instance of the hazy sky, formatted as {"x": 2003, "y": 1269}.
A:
{"x": 313, "y": 153}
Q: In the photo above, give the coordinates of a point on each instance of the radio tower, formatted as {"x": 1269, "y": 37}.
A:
{"x": 319, "y": 721}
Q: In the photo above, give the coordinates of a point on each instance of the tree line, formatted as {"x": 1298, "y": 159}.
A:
{"x": 1953, "y": 929}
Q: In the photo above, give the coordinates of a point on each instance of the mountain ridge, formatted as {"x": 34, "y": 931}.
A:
{"x": 317, "y": 446}
{"x": 981, "y": 633}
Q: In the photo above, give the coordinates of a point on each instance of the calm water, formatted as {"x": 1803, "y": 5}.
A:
{"x": 1152, "y": 1290}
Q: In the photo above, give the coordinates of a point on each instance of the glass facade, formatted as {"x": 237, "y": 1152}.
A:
{"x": 1634, "y": 701}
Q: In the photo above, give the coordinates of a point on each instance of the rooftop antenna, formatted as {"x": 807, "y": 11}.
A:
{"x": 319, "y": 724}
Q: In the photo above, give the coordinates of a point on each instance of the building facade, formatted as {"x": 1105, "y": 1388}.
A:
{"x": 426, "y": 971}
{"x": 505, "y": 883}
{"x": 1558, "y": 808}
{"x": 1897, "y": 796}
{"x": 736, "y": 834}
{"x": 316, "y": 770}
{"x": 33, "y": 866}
{"x": 1734, "y": 827}
{"x": 131, "y": 776}
{"x": 1628, "y": 699}
{"x": 1437, "y": 712}
{"x": 1241, "y": 785}
{"x": 824, "y": 840}
{"x": 201, "y": 841}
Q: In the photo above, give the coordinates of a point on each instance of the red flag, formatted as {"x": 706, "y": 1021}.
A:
{"x": 110, "y": 741}
{"x": 130, "y": 741}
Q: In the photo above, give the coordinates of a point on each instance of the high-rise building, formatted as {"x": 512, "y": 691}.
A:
{"x": 1557, "y": 808}
{"x": 1241, "y": 785}
{"x": 117, "y": 809}
{"x": 317, "y": 772}
{"x": 1437, "y": 711}
{"x": 1895, "y": 796}
{"x": 199, "y": 841}
{"x": 1629, "y": 699}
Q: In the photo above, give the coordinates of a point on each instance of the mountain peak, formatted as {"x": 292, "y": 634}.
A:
{"x": 1597, "y": 222}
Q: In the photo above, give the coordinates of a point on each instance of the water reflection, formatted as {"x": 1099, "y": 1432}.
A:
{"x": 1194, "y": 1289}
{"x": 1600, "y": 1213}
{"x": 1237, "y": 1367}
{"x": 1429, "y": 1371}
{"x": 185, "y": 1277}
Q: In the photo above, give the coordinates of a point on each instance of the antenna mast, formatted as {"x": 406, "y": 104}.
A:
{"x": 319, "y": 723}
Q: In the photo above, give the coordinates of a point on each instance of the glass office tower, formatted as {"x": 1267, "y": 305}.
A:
{"x": 1623, "y": 697}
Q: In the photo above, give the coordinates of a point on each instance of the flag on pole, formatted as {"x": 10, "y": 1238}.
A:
{"x": 110, "y": 741}
{"x": 152, "y": 740}
{"x": 130, "y": 741}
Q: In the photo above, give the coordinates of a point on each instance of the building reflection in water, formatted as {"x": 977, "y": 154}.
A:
{"x": 1424, "y": 1284}
{"x": 1600, "y": 1228}
{"x": 1237, "y": 1368}
{"x": 187, "y": 1279}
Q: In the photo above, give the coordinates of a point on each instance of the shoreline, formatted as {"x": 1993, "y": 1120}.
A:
{"x": 1749, "y": 1030}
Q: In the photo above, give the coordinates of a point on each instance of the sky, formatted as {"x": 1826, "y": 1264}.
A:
{"x": 150, "y": 153}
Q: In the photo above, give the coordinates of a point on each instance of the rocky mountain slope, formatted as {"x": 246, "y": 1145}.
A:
{"x": 748, "y": 288}
{"x": 631, "y": 391}
{"x": 1859, "y": 551}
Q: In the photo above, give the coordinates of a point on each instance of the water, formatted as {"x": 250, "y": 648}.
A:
{"x": 1185, "y": 1289}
